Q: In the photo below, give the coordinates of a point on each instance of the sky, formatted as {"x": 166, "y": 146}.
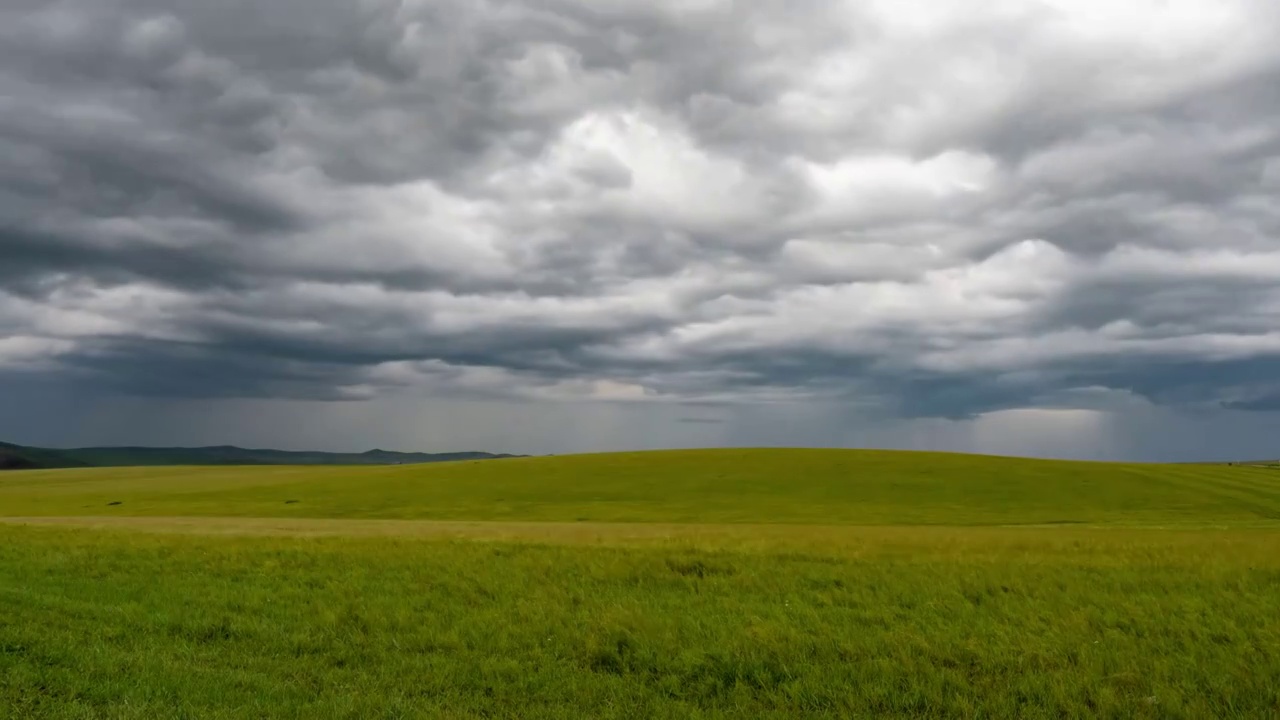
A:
{"x": 1033, "y": 227}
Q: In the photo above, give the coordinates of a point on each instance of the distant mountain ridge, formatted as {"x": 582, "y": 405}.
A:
{"x": 19, "y": 457}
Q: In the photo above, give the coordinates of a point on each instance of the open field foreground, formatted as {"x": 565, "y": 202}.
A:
{"x": 721, "y": 584}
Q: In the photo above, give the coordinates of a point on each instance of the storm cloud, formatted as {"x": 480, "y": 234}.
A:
{"x": 893, "y": 210}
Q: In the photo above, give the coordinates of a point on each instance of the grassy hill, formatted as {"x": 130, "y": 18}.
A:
{"x": 692, "y": 584}
{"x": 18, "y": 457}
{"x": 701, "y": 486}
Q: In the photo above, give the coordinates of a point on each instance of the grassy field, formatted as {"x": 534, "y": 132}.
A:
{"x": 696, "y": 584}
{"x": 723, "y": 486}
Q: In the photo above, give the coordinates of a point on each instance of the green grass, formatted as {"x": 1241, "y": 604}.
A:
{"x": 724, "y": 486}
{"x": 945, "y": 623}
{"x": 743, "y": 584}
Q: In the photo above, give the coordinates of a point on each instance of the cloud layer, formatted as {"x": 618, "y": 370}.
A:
{"x": 903, "y": 208}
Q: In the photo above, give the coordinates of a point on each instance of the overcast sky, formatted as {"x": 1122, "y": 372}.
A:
{"x": 1026, "y": 226}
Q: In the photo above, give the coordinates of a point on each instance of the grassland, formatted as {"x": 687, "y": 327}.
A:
{"x": 724, "y": 486}
{"x": 702, "y": 584}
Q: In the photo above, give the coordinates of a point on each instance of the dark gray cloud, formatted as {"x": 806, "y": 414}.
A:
{"x": 897, "y": 208}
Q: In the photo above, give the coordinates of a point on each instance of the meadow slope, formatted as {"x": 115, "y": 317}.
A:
{"x": 698, "y": 584}
{"x": 702, "y": 486}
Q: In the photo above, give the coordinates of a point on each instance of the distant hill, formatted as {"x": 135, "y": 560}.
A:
{"x": 18, "y": 457}
{"x": 14, "y": 461}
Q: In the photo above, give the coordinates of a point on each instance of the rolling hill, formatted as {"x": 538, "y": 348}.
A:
{"x": 15, "y": 461}
{"x": 702, "y": 584}
{"x": 18, "y": 457}
{"x": 699, "y": 486}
